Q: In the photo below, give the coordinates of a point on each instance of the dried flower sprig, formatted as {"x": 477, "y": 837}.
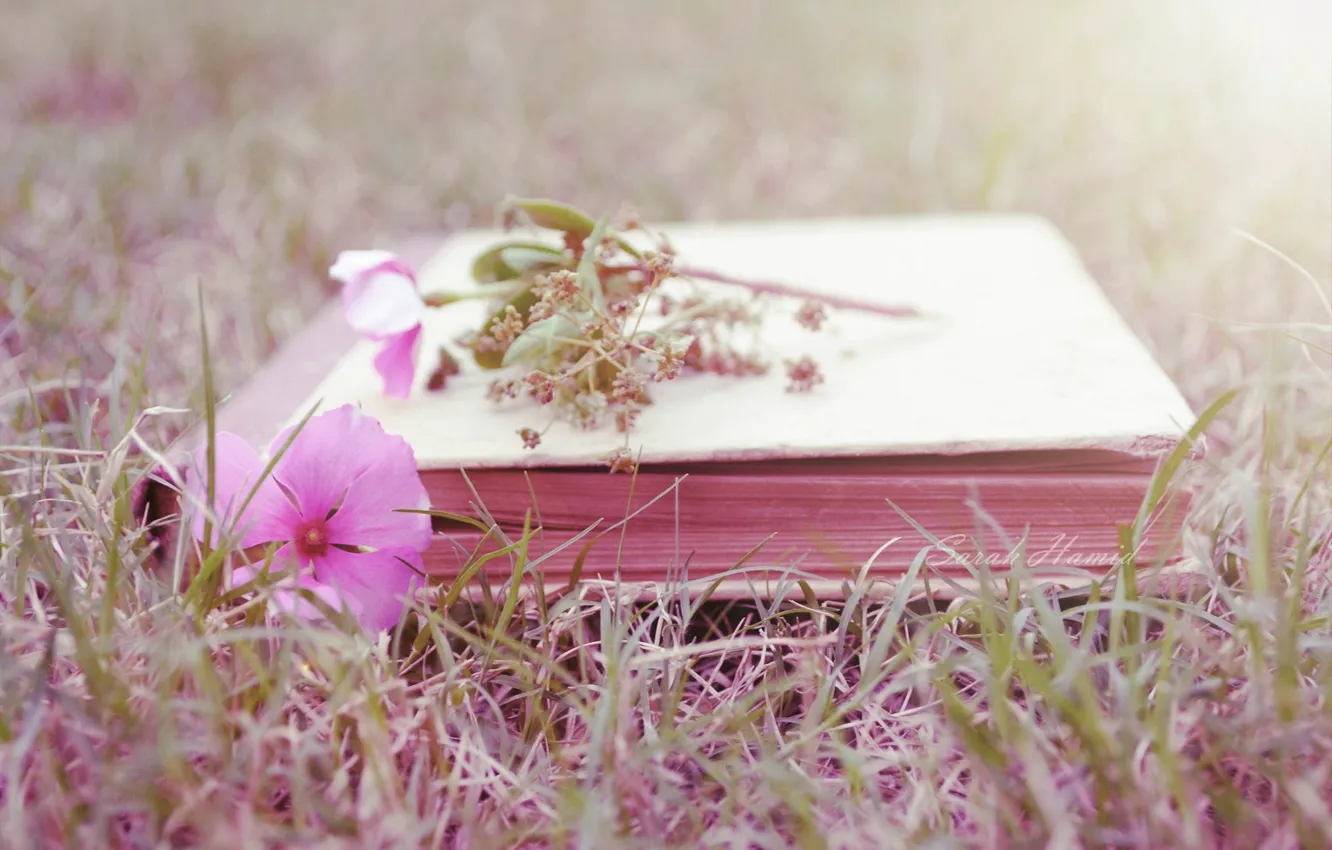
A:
{"x": 590, "y": 325}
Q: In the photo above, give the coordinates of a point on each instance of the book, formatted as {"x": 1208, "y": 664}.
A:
{"x": 1017, "y": 419}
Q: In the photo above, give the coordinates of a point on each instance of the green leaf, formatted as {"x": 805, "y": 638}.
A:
{"x": 524, "y": 258}
{"x": 539, "y": 340}
{"x": 576, "y": 573}
{"x": 588, "y": 279}
{"x": 554, "y": 215}
{"x": 447, "y": 515}
{"x": 975, "y": 735}
{"x": 508, "y": 260}
{"x": 516, "y": 578}
{"x": 1178, "y": 455}
{"x": 455, "y": 591}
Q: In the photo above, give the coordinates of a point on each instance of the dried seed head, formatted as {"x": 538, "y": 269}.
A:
{"x": 540, "y": 310}
{"x": 802, "y": 375}
{"x": 445, "y": 369}
{"x": 559, "y": 288}
{"x": 507, "y": 326}
{"x": 499, "y": 390}
{"x": 733, "y": 364}
{"x": 485, "y": 342}
{"x": 531, "y": 437}
{"x": 600, "y": 326}
{"x": 622, "y": 460}
{"x": 669, "y": 364}
{"x": 540, "y": 386}
{"x": 605, "y": 374}
{"x": 811, "y": 315}
{"x": 628, "y": 386}
{"x": 661, "y": 264}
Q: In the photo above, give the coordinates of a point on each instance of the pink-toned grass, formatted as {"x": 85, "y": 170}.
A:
{"x": 158, "y": 150}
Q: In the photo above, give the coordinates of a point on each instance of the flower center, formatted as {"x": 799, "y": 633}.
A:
{"x": 313, "y": 542}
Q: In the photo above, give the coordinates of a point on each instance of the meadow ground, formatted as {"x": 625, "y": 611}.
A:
{"x": 154, "y": 149}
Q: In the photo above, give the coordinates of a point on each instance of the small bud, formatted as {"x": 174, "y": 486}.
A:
{"x": 531, "y": 437}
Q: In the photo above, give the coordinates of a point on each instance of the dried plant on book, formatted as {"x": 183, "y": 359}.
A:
{"x": 586, "y": 321}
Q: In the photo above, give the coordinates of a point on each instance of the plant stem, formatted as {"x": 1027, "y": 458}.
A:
{"x": 768, "y": 287}
{"x": 443, "y": 299}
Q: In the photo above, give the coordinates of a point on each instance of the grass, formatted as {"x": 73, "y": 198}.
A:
{"x": 157, "y": 151}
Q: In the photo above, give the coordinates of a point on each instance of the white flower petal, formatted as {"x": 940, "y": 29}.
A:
{"x": 349, "y": 264}
{"x": 388, "y": 304}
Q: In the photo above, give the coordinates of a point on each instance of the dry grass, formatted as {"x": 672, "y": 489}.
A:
{"x": 157, "y": 148}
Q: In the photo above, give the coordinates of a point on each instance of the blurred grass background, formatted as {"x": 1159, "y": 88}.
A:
{"x": 152, "y": 149}
{"x": 152, "y": 145}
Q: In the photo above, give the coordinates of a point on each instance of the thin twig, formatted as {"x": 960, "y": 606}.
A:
{"x": 769, "y": 287}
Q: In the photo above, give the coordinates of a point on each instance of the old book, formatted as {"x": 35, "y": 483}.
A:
{"x": 1017, "y": 417}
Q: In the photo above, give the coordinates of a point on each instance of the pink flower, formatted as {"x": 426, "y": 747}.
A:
{"x": 333, "y": 504}
{"x": 380, "y": 300}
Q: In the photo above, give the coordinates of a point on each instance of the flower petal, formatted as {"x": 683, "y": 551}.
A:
{"x": 243, "y": 574}
{"x": 376, "y": 585}
{"x": 382, "y": 302}
{"x": 351, "y": 264}
{"x": 371, "y": 511}
{"x": 396, "y": 362}
{"x": 287, "y": 600}
{"x": 269, "y": 516}
{"x": 341, "y": 451}
{"x": 281, "y": 569}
